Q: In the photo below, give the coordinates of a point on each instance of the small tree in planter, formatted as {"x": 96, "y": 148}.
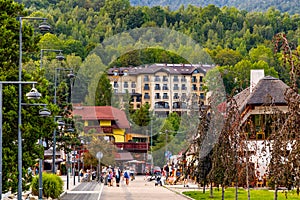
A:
{"x": 52, "y": 185}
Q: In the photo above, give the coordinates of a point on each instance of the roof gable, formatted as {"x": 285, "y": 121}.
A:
{"x": 102, "y": 113}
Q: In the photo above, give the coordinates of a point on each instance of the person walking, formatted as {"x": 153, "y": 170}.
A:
{"x": 110, "y": 178}
{"x": 126, "y": 176}
{"x": 81, "y": 174}
{"x": 118, "y": 176}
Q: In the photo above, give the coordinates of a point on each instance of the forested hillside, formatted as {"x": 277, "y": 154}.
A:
{"x": 236, "y": 40}
{"x": 290, "y": 6}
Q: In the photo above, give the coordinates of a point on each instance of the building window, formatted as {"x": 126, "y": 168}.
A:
{"x": 183, "y": 96}
{"x": 115, "y": 91}
{"x": 146, "y": 78}
{"x": 157, "y": 87}
{"x": 175, "y": 79}
{"x": 175, "y": 87}
{"x": 165, "y": 78}
{"x": 116, "y": 73}
{"x": 183, "y": 79}
{"x": 157, "y": 96}
{"x": 176, "y": 96}
{"x": 183, "y": 87}
{"x": 165, "y": 96}
{"x": 194, "y": 79}
{"x": 116, "y": 84}
{"x": 201, "y": 79}
{"x": 133, "y": 85}
{"x": 156, "y": 78}
{"x": 125, "y": 84}
{"x": 146, "y": 86}
{"x": 125, "y": 72}
{"x": 202, "y": 96}
{"x": 146, "y": 96}
{"x": 165, "y": 87}
{"x": 133, "y": 91}
{"x": 201, "y": 87}
{"x": 194, "y": 87}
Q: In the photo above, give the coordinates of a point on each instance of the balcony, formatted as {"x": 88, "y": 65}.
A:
{"x": 133, "y": 146}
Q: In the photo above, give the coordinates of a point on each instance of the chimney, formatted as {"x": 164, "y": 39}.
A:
{"x": 255, "y": 76}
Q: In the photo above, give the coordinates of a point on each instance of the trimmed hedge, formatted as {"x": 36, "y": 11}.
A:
{"x": 52, "y": 185}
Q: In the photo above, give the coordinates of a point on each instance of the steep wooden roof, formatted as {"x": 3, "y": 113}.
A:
{"x": 268, "y": 90}
{"x": 102, "y": 113}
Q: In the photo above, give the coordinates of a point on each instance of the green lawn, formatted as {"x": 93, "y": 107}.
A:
{"x": 242, "y": 194}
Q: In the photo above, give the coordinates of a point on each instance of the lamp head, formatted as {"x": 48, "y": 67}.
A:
{"x": 60, "y": 123}
{"x": 44, "y": 112}
{"x": 71, "y": 75}
{"x": 60, "y": 57}
{"x": 33, "y": 94}
{"x": 44, "y": 27}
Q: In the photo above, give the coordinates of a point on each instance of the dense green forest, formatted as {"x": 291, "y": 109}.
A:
{"x": 291, "y": 7}
{"x": 234, "y": 39}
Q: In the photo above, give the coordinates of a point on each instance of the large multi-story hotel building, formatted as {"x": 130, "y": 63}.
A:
{"x": 166, "y": 87}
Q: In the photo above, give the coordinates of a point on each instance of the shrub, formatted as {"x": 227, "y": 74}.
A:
{"x": 52, "y": 185}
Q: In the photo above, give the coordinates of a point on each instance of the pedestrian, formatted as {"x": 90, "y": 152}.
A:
{"x": 132, "y": 174}
{"x": 118, "y": 176}
{"x": 110, "y": 178}
{"x": 126, "y": 176}
{"x": 81, "y": 174}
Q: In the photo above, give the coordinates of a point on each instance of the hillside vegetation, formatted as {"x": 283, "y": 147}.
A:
{"x": 290, "y": 6}
{"x": 236, "y": 40}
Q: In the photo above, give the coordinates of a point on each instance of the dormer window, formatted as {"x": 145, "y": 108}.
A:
{"x": 125, "y": 72}
{"x": 116, "y": 73}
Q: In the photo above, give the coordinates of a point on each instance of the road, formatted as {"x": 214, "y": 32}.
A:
{"x": 136, "y": 190}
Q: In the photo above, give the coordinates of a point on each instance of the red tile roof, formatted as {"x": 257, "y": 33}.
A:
{"x": 102, "y": 113}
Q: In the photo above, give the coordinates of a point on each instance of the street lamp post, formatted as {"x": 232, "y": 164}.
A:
{"x": 59, "y": 57}
{"x": 42, "y": 27}
{"x": 43, "y": 113}
{"x": 60, "y": 123}
{"x": 54, "y": 101}
{"x": 32, "y": 94}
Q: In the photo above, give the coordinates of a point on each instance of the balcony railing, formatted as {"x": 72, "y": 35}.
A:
{"x": 133, "y": 146}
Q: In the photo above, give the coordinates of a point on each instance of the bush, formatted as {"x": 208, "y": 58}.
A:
{"x": 52, "y": 185}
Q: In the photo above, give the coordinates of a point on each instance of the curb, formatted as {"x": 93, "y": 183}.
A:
{"x": 180, "y": 193}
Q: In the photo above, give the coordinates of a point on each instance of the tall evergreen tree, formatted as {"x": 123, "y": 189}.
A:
{"x": 104, "y": 92}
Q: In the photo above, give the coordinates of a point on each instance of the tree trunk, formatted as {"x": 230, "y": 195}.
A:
{"x": 204, "y": 183}
{"x": 276, "y": 191}
{"x": 223, "y": 192}
{"x": 211, "y": 191}
{"x": 236, "y": 191}
{"x": 247, "y": 170}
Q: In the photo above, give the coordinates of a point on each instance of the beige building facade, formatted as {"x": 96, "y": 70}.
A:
{"x": 165, "y": 87}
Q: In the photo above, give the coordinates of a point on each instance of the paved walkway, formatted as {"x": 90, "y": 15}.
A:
{"x": 137, "y": 189}
{"x": 69, "y": 184}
